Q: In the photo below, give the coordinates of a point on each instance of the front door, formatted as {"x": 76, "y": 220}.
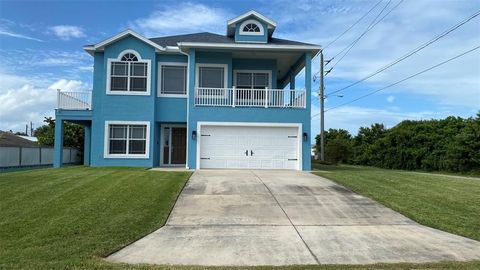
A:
{"x": 174, "y": 145}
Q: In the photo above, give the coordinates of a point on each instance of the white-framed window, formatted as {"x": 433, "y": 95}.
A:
{"x": 127, "y": 139}
{"x": 213, "y": 79}
{"x": 251, "y": 27}
{"x": 252, "y": 79}
{"x": 128, "y": 74}
{"x": 172, "y": 79}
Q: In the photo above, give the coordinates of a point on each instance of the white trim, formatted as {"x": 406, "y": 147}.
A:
{"x": 162, "y": 126}
{"x": 106, "y": 136}
{"x": 225, "y": 74}
{"x": 299, "y": 127}
{"x": 261, "y": 46}
{"x": 128, "y": 92}
{"x": 257, "y": 23}
{"x": 159, "y": 79}
{"x": 120, "y": 35}
{"x": 251, "y": 13}
{"x": 235, "y": 71}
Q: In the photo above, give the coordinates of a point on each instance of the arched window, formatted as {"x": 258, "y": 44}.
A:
{"x": 128, "y": 74}
{"x": 251, "y": 27}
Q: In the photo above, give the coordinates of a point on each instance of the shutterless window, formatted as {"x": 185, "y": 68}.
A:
{"x": 128, "y": 74}
{"x": 211, "y": 77}
{"x": 127, "y": 139}
{"x": 174, "y": 80}
{"x": 252, "y": 80}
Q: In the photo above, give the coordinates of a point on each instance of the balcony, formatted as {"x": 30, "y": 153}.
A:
{"x": 74, "y": 100}
{"x": 262, "y": 98}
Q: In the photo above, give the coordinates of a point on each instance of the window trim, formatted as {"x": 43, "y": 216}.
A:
{"x": 225, "y": 76}
{"x": 159, "y": 87}
{"x": 106, "y": 144}
{"x": 244, "y": 23}
{"x": 128, "y": 92}
{"x": 236, "y": 71}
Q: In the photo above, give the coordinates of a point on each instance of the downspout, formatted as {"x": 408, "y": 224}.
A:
{"x": 188, "y": 107}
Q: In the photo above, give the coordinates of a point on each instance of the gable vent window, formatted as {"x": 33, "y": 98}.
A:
{"x": 128, "y": 74}
{"x": 251, "y": 27}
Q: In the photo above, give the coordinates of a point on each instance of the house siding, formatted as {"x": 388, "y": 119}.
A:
{"x": 251, "y": 38}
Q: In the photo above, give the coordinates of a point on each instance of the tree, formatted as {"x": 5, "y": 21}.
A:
{"x": 338, "y": 146}
{"x": 72, "y": 134}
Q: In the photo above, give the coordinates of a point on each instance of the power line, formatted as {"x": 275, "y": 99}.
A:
{"x": 402, "y": 80}
{"x": 410, "y": 53}
{"x": 366, "y": 31}
{"x": 355, "y": 23}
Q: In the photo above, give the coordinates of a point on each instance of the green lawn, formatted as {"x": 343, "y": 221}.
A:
{"x": 71, "y": 218}
{"x": 444, "y": 202}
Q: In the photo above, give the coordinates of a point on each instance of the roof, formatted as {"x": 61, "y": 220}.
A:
{"x": 10, "y": 139}
{"x": 206, "y": 37}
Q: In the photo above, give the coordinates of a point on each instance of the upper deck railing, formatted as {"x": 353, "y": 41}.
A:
{"x": 238, "y": 97}
{"x": 68, "y": 100}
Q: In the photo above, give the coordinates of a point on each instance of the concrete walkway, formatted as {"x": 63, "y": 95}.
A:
{"x": 283, "y": 218}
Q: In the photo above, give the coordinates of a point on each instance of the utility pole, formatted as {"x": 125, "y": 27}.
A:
{"x": 322, "y": 109}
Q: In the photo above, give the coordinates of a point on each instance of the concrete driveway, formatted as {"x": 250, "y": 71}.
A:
{"x": 287, "y": 217}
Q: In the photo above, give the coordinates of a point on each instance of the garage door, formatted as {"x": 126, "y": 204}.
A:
{"x": 247, "y": 147}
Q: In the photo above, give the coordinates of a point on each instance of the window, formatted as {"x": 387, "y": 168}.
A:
{"x": 252, "y": 79}
{"x": 211, "y": 77}
{"x": 128, "y": 74}
{"x": 251, "y": 27}
{"x": 173, "y": 78}
{"x": 127, "y": 139}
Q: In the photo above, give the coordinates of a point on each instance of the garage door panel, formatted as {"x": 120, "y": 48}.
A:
{"x": 273, "y": 147}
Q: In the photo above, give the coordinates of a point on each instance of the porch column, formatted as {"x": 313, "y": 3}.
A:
{"x": 86, "y": 144}
{"x": 292, "y": 79}
{"x": 191, "y": 121}
{"x": 58, "y": 143}
{"x": 308, "y": 77}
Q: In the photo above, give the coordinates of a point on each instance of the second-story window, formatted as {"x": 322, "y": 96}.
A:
{"x": 129, "y": 75}
{"x": 173, "y": 79}
{"x": 251, "y": 27}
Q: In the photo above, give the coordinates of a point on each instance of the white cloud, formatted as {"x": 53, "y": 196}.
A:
{"x": 9, "y": 33}
{"x": 26, "y": 99}
{"x": 390, "y": 99}
{"x": 67, "y": 32}
{"x": 184, "y": 18}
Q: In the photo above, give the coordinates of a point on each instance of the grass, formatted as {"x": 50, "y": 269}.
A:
{"x": 74, "y": 216}
{"x": 71, "y": 218}
{"x": 444, "y": 202}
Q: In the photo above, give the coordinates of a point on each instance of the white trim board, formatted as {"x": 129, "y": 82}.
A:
{"x": 251, "y": 13}
{"x": 126, "y": 156}
{"x": 299, "y": 127}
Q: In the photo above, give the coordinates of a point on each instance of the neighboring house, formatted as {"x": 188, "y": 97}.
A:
{"x": 198, "y": 100}
{"x": 10, "y": 139}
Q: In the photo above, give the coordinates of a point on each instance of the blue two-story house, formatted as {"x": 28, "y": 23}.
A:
{"x": 199, "y": 100}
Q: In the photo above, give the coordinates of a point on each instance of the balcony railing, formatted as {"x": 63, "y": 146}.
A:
{"x": 238, "y": 97}
{"x": 74, "y": 100}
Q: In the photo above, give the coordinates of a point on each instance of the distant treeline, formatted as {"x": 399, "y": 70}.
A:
{"x": 451, "y": 144}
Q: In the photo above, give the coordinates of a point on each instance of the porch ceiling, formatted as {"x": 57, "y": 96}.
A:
{"x": 285, "y": 60}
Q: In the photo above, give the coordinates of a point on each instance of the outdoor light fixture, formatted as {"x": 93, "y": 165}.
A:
{"x": 194, "y": 135}
{"x": 305, "y": 136}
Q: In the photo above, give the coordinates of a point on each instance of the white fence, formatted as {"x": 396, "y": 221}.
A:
{"x": 237, "y": 97}
{"x": 15, "y": 156}
{"x": 74, "y": 100}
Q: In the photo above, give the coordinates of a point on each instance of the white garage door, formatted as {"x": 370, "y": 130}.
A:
{"x": 249, "y": 147}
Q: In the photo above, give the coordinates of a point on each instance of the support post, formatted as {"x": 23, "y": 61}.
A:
{"x": 234, "y": 97}
{"x": 86, "y": 145}
{"x": 322, "y": 110}
{"x": 266, "y": 97}
{"x": 58, "y": 144}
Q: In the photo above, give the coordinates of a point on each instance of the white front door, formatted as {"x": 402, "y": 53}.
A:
{"x": 249, "y": 147}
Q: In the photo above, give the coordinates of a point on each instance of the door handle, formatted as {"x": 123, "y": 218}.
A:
{"x": 246, "y": 153}
{"x": 251, "y": 153}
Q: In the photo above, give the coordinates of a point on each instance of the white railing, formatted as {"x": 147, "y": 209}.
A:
{"x": 238, "y": 97}
{"x": 74, "y": 100}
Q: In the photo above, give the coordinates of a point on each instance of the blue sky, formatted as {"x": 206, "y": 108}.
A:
{"x": 41, "y": 47}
